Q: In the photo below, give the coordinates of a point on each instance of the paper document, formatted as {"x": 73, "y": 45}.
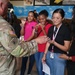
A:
{"x": 46, "y": 68}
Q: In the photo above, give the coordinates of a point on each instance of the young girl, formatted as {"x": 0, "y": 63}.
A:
{"x": 59, "y": 43}
{"x": 42, "y": 29}
{"x": 27, "y": 31}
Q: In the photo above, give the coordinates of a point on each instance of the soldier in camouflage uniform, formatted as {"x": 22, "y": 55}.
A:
{"x": 10, "y": 46}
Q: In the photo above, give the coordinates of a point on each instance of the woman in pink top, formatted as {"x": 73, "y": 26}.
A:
{"x": 28, "y": 32}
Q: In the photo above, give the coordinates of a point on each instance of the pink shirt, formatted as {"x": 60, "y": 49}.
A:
{"x": 28, "y": 28}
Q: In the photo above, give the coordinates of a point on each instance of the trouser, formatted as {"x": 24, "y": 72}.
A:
{"x": 56, "y": 64}
{"x": 24, "y": 64}
{"x": 71, "y": 68}
{"x": 38, "y": 59}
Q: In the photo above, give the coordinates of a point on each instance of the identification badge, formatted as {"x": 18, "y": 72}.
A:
{"x": 52, "y": 55}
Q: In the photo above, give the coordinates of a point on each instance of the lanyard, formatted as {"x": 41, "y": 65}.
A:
{"x": 54, "y": 36}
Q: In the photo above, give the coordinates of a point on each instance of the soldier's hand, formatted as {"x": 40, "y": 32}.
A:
{"x": 41, "y": 39}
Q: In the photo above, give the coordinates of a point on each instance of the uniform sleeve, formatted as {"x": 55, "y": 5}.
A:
{"x": 14, "y": 46}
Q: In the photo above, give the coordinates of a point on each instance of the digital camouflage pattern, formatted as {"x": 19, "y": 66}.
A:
{"x": 11, "y": 47}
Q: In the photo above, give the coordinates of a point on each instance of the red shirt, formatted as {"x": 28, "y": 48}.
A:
{"x": 73, "y": 58}
{"x": 41, "y": 47}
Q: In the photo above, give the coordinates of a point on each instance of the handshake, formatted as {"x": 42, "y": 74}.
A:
{"x": 40, "y": 40}
{"x": 44, "y": 39}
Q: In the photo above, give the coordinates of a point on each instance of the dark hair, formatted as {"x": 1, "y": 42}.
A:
{"x": 73, "y": 13}
{"x": 72, "y": 24}
{"x": 34, "y": 10}
{"x": 61, "y": 11}
{"x": 44, "y": 12}
{"x": 10, "y": 5}
{"x": 33, "y": 13}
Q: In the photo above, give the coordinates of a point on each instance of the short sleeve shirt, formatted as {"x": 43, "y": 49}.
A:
{"x": 28, "y": 29}
{"x": 41, "y": 47}
{"x": 62, "y": 35}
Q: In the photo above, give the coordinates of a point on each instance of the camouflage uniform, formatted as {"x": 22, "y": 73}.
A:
{"x": 11, "y": 47}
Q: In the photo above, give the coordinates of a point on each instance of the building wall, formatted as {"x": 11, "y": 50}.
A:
{"x": 21, "y": 11}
